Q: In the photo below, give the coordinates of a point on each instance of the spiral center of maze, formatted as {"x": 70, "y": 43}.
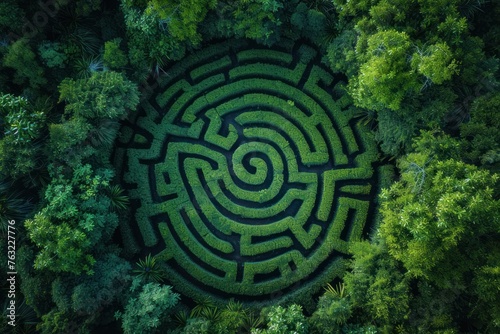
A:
{"x": 247, "y": 172}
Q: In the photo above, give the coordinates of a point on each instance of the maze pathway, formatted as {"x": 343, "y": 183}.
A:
{"x": 247, "y": 172}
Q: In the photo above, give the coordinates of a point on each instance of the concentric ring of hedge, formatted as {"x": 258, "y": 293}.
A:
{"x": 247, "y": 173}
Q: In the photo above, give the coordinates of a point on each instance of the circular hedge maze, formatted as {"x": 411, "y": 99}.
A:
{"x": 247, "y": 173}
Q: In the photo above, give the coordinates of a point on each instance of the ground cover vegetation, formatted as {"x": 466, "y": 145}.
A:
{"x": 251, "y": 166}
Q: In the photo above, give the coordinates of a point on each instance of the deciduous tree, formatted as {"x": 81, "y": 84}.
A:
{"x": 23, "y": 60}
{"x": 75, "y": 220}
{"x": 149, "y": 309}
{"x": 442, "y": 221}
{"x": 180, "y": 18}
{"x": 284, "y": 320}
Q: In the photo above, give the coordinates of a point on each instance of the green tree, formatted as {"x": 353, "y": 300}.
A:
{"x": 435, "y": 63}
{"x": 385, "y": 77}
{"x": 417, "y": 59}
{"x": 394, "y": 132}
{"x": 74, "y": 221}
{"x": 258, "y": 19}
{"x": 232, "y": 319}
{"x": 66, "y": 140}
{"x": 285, "y": 320}
{"x": 377, "y": 285}
{"x": 147, "y": 311}
{"x": 341, "y": 53}
{"x": 105, "y": 94}
{"x": 427, "y": 217}
{"x": 11, "y": 16}
{"x": 442, "y": 221}
{"x": 333, "y": 311}
{"x": 180, "y": 18}
{"x": 375, "y": 292}
{"x": 91, "y": 294}
{"x": 482, "y": 138}
{"x": 93, "y": 107}
{"x": 148, "y": 41}
{"x": 197, "y": 326}
{"x": 23, "y": 60}
{"x": 113, "y": 56}
{"x": 52, "y": 54}
{"x": 20, "y": 125}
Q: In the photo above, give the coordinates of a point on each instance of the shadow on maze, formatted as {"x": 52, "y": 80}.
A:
{"x": 197, "y": 110}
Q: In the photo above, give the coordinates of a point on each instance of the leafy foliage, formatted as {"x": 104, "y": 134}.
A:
{"x": 113, "y": 56}
{"x": 436, "y": 63}
{"x": 284, "y": 320}
{"x": 52, "y": 54}
{"x": 92, "y": 294}
{"x": 232, "y": 318}
{"x": 149, "y": 309}
{"x": 481, "y": 133}
{"x": 394, "y": 132}
{"x": 375, "y": 291}
{"x": 74, "y": 220}
{"x": 180, "y": 18}
{"x": 197, "y": 326}
{"x": 149, "y": 270}
{"x": 385, "y": 77}
{"x": 411, "y": 67}
{"x": 66, "y": 138}
{"x": 409, "y": 58}
{"x": 377, "y": 285}
{"x": 460, "y": 196}
{"x": 92, "y": 105}
{"x": 11, "y": 15}
{"x": 23, "y": 60}
{"x": 258, "y": 19}
{"x": 117, "y": 197}
{"x": 442, "y": 223}
{"x": 149, "y": 45}
{"x": 22, "y": 125}
{"x": 104, "y": 95}
{"x": 86, "y": 66}
{"x": 332, "y": 313}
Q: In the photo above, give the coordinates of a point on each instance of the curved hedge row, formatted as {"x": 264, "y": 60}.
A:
{"x": 246, "y": 173}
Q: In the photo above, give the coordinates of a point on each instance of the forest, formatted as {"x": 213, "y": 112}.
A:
{"x": 250, "y": 166}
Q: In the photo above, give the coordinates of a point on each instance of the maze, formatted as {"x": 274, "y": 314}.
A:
{"x": 248, "y": 174}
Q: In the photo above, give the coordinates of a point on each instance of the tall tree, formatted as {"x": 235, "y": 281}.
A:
{"x": 181, "y": 18}
{"x": 282, "y": 320}
{"x": 20, "y": 125}
{"x": 75, "y": 220}
{"x": 414, "y": 59}
{"x": 22, "y": 59}
{"x": 442, "y": 221}
{"x": 93, "y": 107}
{"x": 149, "y": 309}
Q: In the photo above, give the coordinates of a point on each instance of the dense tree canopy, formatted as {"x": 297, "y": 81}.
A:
{"x": 74, "y": 221}
{"x": 421, "y": 75}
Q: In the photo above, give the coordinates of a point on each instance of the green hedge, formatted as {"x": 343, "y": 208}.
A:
{"x": 267, "y": 54}
{"x": 221, "y": 115}
{"x": 268, "y": 70}
{"x": 357, "y": 189}
{"x": 210, "y": 67}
